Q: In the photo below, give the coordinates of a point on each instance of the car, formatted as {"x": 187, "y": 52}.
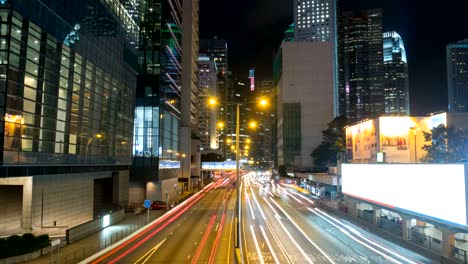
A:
{"x": 158, "y": 205}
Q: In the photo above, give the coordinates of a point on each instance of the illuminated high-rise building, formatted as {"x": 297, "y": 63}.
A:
{"x": 305, "y": 78}
{"x": 457, "y": 76}
{"x": 396, "y": 91}
{"x": 66, "y": 104}
{"x": 164, "y": 112}
{"x": 314, "y": 20}
{"x": 207, "y": 114}
{"x": 217, "y": 49}
{"x": 362, "y": 87}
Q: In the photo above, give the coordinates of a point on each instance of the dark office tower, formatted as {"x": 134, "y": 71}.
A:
{"x": 262, "y": 138}
{"x": 217, "y": 49}
{"x": 363, "y": 64}
{"x": 238, "y": 92}
{"x": 314, "y": 20}
{"x": 157, "y": 111}
{"x": 67, "y": 83}
{"x": 457, "y": 76}
{"x": 207, "y": 114}
{"x": 396, "y": 90}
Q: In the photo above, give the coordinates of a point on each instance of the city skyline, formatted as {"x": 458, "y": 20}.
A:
{"x": 254, "y": 33}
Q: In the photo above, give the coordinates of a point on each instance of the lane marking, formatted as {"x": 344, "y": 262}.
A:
{"x": 302, "y": 232}
{"x": 150, "y": 252}
{"x": 269, "y": 245}
{"x": 354, "y": 231}
{"x": 355, "y": 239}
{"x": 259, "y": 252}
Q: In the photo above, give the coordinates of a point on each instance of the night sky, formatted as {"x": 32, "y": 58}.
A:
{"x": 254, "y": 29}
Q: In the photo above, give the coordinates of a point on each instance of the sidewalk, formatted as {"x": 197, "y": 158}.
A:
{"x": 75, "y": 252}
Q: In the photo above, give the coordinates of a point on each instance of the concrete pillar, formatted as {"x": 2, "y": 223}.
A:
{"x": 352, "y": 206}
{"x": 405, "y": 227}
{"x": 376, "y": 215}
{"x": 26, "y": 220}
{"x": 448, "y": 241}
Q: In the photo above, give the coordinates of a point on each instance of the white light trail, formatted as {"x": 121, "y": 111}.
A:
{"x": 293, "y": 240}
{"x": 355, "y": 232}
{"x": 302, "y": 232}
{"x": 259, "y": 252}
{"x": 269, "y": 245}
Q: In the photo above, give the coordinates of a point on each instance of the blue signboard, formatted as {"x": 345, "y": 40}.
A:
{"x": 147, "y": 203}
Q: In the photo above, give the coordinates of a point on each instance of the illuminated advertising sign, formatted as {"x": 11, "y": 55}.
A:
{"x": 252, "y": 79}
{"x": 226, "y": 165}
{"x": 434, "y": 191}
{"x": 394, "y": 137}
{"x": 360, "y": 140}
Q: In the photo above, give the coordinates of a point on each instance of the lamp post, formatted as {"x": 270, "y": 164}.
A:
{"x": 261, "y": 102}
{"x": 415, "y": 129}
{"x": 238, "y": 177}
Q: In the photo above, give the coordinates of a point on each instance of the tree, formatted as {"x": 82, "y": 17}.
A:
{"x": 282, "y": 171}
{"x": 333, "y": 142}
{"x": 446, "y": 144}
{"x": 212, "y": 157}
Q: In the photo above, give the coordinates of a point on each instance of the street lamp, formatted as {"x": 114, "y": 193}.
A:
{"x": 263, "y": 103}
{"x": 415, "y": 130}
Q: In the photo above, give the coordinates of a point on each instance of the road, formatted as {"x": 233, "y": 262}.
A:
{"x": 281, "y": 225}
{"x": 198, "y": 231}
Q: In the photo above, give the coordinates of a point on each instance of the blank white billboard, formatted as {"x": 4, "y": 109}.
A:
{"x": 434, "y": 190}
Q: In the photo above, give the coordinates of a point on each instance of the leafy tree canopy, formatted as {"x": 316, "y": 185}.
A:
{"x": 333, "y": 142}
{"x": 445, "y": 144}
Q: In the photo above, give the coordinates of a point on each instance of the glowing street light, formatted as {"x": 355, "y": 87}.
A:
{"x": 212, "y": 101}
{"x": 253, "y": 124}
{"x": 220, "y": 125}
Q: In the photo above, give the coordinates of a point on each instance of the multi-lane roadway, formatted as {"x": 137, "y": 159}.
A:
{"x": 197, "y": 231}
{"x": 281, "y": 225}
{"x": 278, "y": 225}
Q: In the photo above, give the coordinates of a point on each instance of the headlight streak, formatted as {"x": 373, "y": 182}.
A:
{"x": 292, "y": 196}
{"x": 357, "y": 240}
{"x": 271, "y": 206}
{"x": 278, "y": 241}
{"x": 309, "y": 200}
{"x": 302, "y": 232}
{"x": 355, "y": 232}
{"x": 269, "y": 245}
{"x": 293, "y": 240}
{"x": 249, "y": 203}
{"x": 259, "y": 252}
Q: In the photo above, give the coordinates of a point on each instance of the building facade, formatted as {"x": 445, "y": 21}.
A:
{"x": 305, "y": 100}
{"x": 396, "y": 91}
{"x": 457, "y": 76}
{"x": 67, "y": 100}
{"x": 314, "y": 20}
{"x": 156, "y": 145}
{"x": 262, "y": 148}
{"x": 362, "y": 90}
{"x": 207, "y": 118}
{"x": 217, "y": 49}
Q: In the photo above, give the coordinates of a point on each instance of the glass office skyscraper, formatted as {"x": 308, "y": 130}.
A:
{"x": 362, "y": 91}
{"x": 457, "y": 76}
{"x": 67, "y": 82}
{"x": 396, "y": 90}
